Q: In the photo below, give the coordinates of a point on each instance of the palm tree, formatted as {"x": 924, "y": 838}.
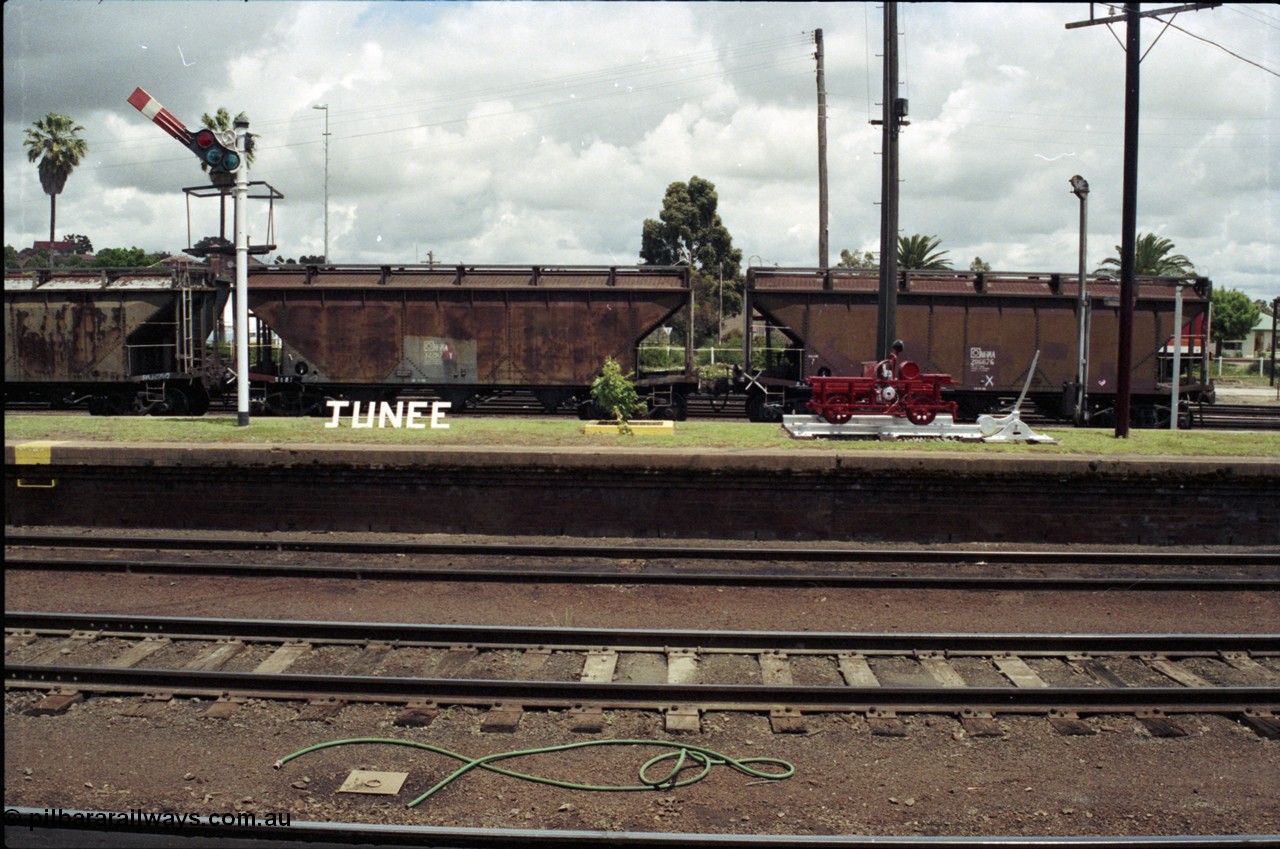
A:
{"x": 917, "y": 252}
{"x": 1151, "y": 259}
{"x": 54, "y": 140}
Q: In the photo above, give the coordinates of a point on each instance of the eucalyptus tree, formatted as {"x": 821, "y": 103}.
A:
{"x": 858, "y": 259}
{"x": 690, "y": 231}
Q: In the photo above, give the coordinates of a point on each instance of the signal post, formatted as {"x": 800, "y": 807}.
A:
{"x": 223, "y": 152}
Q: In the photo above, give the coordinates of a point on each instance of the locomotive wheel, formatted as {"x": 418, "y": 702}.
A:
{"x": 834, "y": 416}
{"x": 918, "y": 416}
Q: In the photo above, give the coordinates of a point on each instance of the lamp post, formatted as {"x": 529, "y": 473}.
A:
{"x": 1275, "y": 311}
{"x": 325, "y": 107}
{"x": 720, "y": 321}
{"x": 1080, "y": 188}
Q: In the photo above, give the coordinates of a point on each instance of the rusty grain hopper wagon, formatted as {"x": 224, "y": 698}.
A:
{"x": 984, "y": 329}
{"x": 372, "y": 333}
{"x": 114, "y": 340}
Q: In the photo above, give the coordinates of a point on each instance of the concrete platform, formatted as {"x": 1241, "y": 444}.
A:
{"x": 899, "y": 496}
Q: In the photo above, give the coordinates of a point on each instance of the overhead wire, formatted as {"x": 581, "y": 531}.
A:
{"x": 1169, "y": 24}
{"x": 1254, "y": 15}
{"x": 1223, "y": 49}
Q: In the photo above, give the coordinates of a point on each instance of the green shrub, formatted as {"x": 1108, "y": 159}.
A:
{"x": 615, "y": 394}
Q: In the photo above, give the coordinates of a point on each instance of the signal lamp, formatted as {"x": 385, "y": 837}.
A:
{"x": 216, "y": 150}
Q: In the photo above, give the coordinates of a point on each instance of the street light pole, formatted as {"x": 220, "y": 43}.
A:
{"x": 325, "y": 107}
{"x": 1175, "y": 388}
{"x": 1080, "y": 188}
{"x": 720, "y": 323}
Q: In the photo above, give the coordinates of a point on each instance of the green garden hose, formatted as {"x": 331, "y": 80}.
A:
{"x": 683, "y": 753}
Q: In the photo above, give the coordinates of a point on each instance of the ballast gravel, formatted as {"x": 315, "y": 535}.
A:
{"x": 936, "y": 780}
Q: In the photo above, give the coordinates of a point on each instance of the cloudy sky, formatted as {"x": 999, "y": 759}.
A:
{"x": 545, "y": 133}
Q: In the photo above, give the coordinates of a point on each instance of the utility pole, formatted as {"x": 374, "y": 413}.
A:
{"x": 325, "y": 107}
{"x": 823, "y": 253}
{"x": 1129, "y": 203}
{"x": 893, "y": 111}
{"x": 1128, "y": 219}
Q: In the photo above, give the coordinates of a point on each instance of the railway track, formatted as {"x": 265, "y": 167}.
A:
{"x": 680, "y": 674}
{"x": 1238, "y": 417}
{"x": 1265, "y": 558}
{"x": 684, "y": 680}
{"x": 490, "y": 562}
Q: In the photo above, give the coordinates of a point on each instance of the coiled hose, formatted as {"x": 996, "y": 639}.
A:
{"x": 684, "y": 754}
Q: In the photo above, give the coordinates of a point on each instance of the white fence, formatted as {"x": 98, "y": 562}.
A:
{"x": 1261, "y": 365}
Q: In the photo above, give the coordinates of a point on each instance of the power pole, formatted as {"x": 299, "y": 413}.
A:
{"x": 1128, "y": 219}
{"x": 1129, "y": 203}
{"x": 325, "y": 107}
{"x": 823, "y": 253}
{"x": 893, "y": 110}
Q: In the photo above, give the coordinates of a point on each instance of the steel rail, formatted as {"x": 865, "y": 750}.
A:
{"x": 497, "y": 636}
{"x": 1269, "y": 558}
{"x": 68, "y": 827}
{"x": 636, "y": 696}
{"x": 649, "y": 575}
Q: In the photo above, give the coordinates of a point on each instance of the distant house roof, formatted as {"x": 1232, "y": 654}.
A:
{"x": 175, "y": 260}
{"x": 54, "y": 246}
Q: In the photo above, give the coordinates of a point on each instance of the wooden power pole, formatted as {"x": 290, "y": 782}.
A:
{"x": 893, "y": 110}
{"x": 1129, "y": 203}
{"x": 823, "y": 209}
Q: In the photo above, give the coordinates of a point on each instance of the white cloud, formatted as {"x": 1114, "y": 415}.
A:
{"x": 547, "y": 132}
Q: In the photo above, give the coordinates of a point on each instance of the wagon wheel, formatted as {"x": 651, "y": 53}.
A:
{"x": 920, "y": 416}
{"x": 175, "y": 403}
{"x": 836, "y": 409}
{"x": 285, "y": 402}
{"x": 197, "y": 401}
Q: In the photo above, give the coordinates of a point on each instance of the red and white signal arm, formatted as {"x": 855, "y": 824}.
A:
{"x": 161, "y": 117}
{"x": 216, "y": 149}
